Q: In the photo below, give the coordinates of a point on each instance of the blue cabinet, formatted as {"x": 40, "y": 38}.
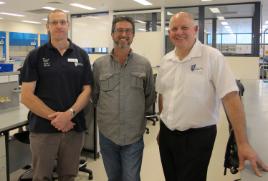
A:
{"x": 23, "y": 39}
{"x": 43, "y": 39}
{"x": 3, "y": 44}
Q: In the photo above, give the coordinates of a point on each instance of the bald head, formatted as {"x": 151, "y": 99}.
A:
{"x": 182, "y": 15}
{"x": 182, "y": 31}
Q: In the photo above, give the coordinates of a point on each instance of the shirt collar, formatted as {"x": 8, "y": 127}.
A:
{"x": 71, "y": 45}
{"x": 196, "y": 51}
{"x": 130, "y": 55}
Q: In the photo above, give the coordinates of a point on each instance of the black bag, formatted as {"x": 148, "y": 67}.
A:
{"x": 231, "y": 160}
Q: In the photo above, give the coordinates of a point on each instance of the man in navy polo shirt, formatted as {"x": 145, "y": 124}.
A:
{"x": 56, "y": 86}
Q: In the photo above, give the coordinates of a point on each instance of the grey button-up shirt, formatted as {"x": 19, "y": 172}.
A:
{"x": 122, "y": 94}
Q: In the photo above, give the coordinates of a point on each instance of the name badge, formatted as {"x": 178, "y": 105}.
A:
{"x": 74, "y": 60}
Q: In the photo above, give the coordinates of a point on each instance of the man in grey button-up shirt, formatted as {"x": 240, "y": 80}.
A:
{"x": 123, "y": 91}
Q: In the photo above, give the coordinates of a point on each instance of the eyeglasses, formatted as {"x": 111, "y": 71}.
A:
{"x": 121, "y": 30}
{"x": 55, "y": 22}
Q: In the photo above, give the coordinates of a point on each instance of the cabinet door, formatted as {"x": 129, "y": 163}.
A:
{"x": 2, "y": 159}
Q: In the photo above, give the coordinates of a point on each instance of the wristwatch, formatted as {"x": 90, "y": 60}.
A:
{"x": 72, "y": 111}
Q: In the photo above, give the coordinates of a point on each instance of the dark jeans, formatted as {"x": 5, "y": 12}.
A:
{"x": 122, "y": 163}
{"x": 185, "y": 155}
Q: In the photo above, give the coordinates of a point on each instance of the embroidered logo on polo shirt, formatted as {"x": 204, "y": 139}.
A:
{"x": 78, "y": 64}
{"x": 46, "y": 62}
{"x": 196, "y": 68}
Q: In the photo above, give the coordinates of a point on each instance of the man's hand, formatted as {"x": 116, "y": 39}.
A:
{"x": 68, "y": 126}
{"x": 62, "y": 121}
{"x": 246, "y": 152}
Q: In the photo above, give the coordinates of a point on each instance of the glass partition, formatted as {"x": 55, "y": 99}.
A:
{"x": 229, "y": 28}
{"x": 144, "y": 21}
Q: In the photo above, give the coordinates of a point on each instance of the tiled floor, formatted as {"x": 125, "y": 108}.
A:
{"x": 151, "y": 167}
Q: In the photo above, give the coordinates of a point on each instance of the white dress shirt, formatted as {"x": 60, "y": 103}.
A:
{"x": 192, "y": 88}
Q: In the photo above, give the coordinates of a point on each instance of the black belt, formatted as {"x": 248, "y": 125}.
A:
{"x": 162, "y": 125}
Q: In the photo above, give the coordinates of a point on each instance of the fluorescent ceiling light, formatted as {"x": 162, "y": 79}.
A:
{"x": 52, "y": 9}
{"x": 93, "y": 17}
{"x": 11, "y": 14}
{"x": 82, "y": 6}
{"x": 224, "y": 23}
{"x": 221, "y": 18}
{"x": 143, "y": 2}
{"x": 169, "y": 13}
{"x": 44, "y": 19}
{"x": 214, "y": 10}
{"x": 139, "y": 21}
{"x": 1, "y": 2}
{"x": 32, "y": 22}
{"x": 227, "y": 27}
{"x": 229, "y": 30}
{"x": 141, "y": 29}
{"x": 49, "y": 8}
{"x": 264, "y": 27}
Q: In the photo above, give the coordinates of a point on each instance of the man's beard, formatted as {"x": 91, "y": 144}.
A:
{"x": 122, "y": 45}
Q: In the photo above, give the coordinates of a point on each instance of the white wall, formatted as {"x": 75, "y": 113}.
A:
{"x": 91, "y": 31}
{"x": 149, "y": 44}
{"x": 244, "y": 67}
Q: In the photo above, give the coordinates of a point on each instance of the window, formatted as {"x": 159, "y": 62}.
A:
{"x": 232, "y": 28}
{"x": 244, "y": 38}
{"x": 144, "y": 21}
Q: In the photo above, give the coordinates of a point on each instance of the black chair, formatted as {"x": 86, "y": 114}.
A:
{"x": 151, "y": 115}
{"x": 23, "y": 137}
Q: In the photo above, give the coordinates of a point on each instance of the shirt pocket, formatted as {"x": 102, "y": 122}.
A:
{"x": 194, "y": 84}
{"x": 137, "y": 79}
{"x": 108, "y": 82}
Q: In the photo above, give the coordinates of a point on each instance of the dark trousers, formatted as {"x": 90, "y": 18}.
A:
{"x": 65, "y": 147}
{"x": 185, "y": 155}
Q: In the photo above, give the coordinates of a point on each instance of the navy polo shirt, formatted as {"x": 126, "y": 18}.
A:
{"x": 59, "y": 81}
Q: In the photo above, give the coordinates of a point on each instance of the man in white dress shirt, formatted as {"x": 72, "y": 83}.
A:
{"x": 192, "y": 82}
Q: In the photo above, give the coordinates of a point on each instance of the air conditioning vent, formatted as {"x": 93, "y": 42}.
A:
{"x": 39, "y": 11}
{"x": 55, "y": 2}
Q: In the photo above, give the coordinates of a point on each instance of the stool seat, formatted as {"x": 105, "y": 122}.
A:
{"x": 23, "y": 137}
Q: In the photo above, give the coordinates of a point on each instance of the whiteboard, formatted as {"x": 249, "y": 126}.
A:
{"x": 91, "y": 31}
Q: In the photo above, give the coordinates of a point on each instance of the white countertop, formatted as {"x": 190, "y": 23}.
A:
{"x": 255, "y": 101}
{"x": 11, "y": 117}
